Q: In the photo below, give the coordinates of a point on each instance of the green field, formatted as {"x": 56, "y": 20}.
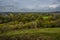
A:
{"x": 32, "y": 34}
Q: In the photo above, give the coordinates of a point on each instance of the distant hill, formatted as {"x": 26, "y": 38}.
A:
{"x": 57, "y": 12}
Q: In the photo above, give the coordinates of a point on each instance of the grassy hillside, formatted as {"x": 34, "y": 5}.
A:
{"x": 30, "y": 26}
{"x": 32, "y": 34}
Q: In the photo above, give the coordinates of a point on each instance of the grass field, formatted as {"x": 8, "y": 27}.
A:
{"x": 32, "y": 34}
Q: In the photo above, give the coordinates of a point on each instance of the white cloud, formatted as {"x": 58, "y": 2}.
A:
{"x": 53, "y": 6}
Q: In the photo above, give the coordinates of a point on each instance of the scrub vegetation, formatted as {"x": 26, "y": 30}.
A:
{"x": 29, "y": 26}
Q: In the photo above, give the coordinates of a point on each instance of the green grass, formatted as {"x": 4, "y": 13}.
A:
{"x": 45, "y": 17}
{"x": 46, "y": 30}
{"x": 45, "y": 33}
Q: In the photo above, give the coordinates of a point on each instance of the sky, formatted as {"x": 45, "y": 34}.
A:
{"x": 29, "y": 5}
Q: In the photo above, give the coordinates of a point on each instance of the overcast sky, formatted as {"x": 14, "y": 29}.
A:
{"x": 29, "y": 5}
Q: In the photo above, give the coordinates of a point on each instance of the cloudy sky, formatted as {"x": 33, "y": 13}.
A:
{"x": 29, "y": 5}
